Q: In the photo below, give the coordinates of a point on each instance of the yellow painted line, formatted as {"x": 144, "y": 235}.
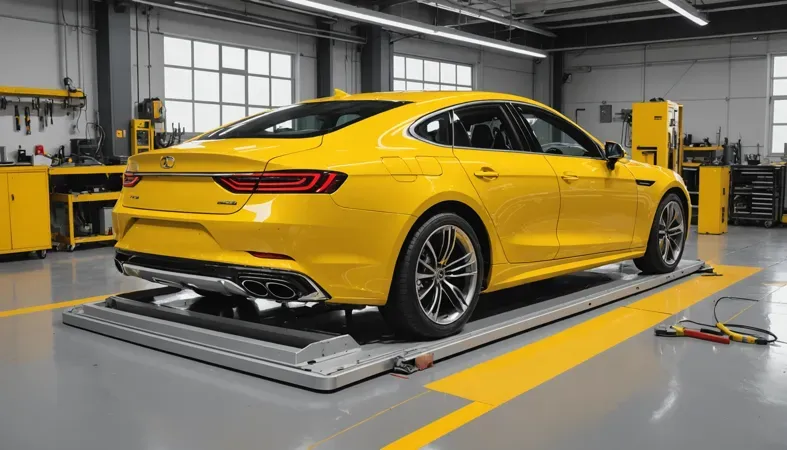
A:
{"x": 51, "y": 306}
{"x": 440, "y": 427}
{"x": 496, "y": 381}
{"x": 676, "y": 299}
{"x": 375, "y": 415}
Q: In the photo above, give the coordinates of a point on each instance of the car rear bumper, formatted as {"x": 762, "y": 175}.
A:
{"x": 349, "y": 254}
{"x": 256, "y": 282}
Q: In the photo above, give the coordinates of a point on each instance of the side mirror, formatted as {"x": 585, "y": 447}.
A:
{"x": 613, "y": 151}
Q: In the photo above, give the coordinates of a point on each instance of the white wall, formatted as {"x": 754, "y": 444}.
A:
{"x": 495, "y": 72}
{"x": 721, "y": 83}
{"x": 32, "y": 55}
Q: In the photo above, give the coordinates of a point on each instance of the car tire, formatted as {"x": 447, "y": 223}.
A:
{"x": 444, "y": 253}
{"x": 669, "y": 229}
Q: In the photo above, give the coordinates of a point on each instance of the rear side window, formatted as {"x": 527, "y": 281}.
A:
{"x": 436, "y": 129}
{"x": 303, "y": 120}
{"x": 484, "y": 126}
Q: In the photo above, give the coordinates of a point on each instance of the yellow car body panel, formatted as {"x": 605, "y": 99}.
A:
{"x": 538, "y": 221}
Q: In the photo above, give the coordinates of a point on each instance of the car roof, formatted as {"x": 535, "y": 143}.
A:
{"x": 426, "y": 96}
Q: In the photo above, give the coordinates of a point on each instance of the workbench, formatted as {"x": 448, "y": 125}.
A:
{"x": 70, "y": 199}
{"x": 24, "y": 210}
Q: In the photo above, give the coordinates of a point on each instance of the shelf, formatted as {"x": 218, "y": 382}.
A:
{"x": 95, "y": 238}
{"x": 713, "y": 148}
{"x": 86, "y": 170}
{"x": 90, "y": 197}
{"x": 691, "y": 164}
{"x": 18, "y": 91}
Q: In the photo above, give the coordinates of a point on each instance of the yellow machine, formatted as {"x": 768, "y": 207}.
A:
{"x": 713, "y": 199}
{"x": 143, "y": 135}
{"x": 657, "y": 134}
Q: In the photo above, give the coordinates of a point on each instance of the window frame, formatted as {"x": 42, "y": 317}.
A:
{"x": 515, "y": 127}
{"x": 772, "y": 99}
{"x": 533, "y": 139}
{"x": 455, "y": 84}
{"x": 221, "y": 71}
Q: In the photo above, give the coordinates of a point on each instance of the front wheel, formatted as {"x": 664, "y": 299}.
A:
{"x": 437, "y": 280}
{"x": 667, "y": 237}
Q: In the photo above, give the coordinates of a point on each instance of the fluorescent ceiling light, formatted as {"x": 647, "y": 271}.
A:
{"x": 400, "y": 23}
{"x": 368, "y": 17}
{"x": 464, "y": 37}
{"x": 687, "y": 11}
{"x": 472, "y": 12}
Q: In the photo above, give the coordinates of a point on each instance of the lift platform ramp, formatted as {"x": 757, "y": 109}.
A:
{"x": 323, "y": 349}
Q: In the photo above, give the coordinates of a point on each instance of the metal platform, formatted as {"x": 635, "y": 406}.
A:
{"x": 318, "y": 348}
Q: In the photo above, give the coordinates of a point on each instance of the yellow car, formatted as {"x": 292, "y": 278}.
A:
{"x": 413, "y": 202}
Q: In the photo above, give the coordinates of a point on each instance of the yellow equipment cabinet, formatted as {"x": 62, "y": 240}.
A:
{"x": 142, "y": 136}
{"x": 24, "y": 210}
{"x": 713, "y": 201}
{"x": 657, "y": 134}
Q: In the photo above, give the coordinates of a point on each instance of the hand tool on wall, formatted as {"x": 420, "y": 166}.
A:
{"x": 27, "y": 120}
{"x": 3, "y": 103}
{"x": 51, "y": 111}
{"x": 17, "y": 127}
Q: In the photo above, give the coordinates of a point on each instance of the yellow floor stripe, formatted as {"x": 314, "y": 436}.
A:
{"x": 440, "y": 427}
{"x": 676, "y": 299}
{"x": 51, "y": 306}
{"x": 505, "y": 377}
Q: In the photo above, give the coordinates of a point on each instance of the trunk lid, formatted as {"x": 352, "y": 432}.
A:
{"x": 180, "y": 179}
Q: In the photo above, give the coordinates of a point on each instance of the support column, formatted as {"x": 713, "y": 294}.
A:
{"x": 113, "y": 67}
{"x": 376, "y": 59}
{"x": 324, "y": 63}
{"x": 557, "y": 88}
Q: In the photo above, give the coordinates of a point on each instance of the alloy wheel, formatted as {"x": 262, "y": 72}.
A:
{"x": 671, "y": 232}
{"x": 446, "y": 274}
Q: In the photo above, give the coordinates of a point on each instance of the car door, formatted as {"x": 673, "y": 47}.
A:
{"x": 598, "y": 205}
{"x": 518, "y": 187}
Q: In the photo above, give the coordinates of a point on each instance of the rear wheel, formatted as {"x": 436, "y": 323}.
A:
{"x": 437, "y": 280}
{"x": 667, "y": 237}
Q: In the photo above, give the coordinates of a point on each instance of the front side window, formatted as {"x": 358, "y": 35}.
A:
{"x": 555, "y": 135}
{"x": 303, "y": 120}
{"x": 484, "y": 126}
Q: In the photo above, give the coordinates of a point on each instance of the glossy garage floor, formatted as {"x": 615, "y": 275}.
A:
{"x": 599, "y": 380}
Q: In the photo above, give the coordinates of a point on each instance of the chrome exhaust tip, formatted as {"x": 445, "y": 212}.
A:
{"x": 255, "y": 287}
{"x": 281, "y": 291}
{"x": 119, "y": 267}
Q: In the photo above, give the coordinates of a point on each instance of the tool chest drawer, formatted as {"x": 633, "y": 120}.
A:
{"x": 756, "y": 193}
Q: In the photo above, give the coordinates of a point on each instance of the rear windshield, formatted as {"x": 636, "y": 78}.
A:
{"x": 303, "y": 120}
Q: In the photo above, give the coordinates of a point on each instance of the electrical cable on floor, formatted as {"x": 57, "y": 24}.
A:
{"x": 721, "y": 328}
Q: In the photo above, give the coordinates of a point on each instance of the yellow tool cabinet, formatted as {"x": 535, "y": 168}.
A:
{"x": 714, "y": 196}
{"x": 24, "y": 210}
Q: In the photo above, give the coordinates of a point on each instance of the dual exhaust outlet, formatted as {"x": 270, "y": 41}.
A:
{"x": 269, "y": 289}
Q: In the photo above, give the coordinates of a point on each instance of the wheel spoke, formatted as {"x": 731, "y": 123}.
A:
{"x": 423, "y": 294}
{"x": 459, "y": 275}
{"x": 438, "y": 297}
{"x": 423, "y": 263}
{"x": 457, "y": 299}
{"x": 455, "y": 269}
{"x": 447, "y": 245}
{"x": 431, "y": 250}
{"x": 458, "y": 260}
{"x": 421, "y": 276}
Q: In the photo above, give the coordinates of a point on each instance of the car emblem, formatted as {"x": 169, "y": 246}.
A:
{"x": 167, "y": 162}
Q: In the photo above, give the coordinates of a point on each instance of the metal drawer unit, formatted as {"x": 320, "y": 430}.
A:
{"x": 756, "y": 194}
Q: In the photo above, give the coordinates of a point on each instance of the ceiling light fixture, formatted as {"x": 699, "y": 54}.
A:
{"x": 400, "y": 23}
{"x": 687, "y": 11}
{"x": 472, "y": 12}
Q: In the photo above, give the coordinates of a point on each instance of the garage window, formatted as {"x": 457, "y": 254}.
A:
{"x": 779, "y": 105}
{"x": 416, "y": 74}
{"x": 207, "y": 85}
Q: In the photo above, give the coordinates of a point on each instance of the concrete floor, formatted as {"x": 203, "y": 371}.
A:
{"x": 64, "y": 388}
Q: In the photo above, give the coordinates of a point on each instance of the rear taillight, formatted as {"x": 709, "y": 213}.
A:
{"x": 130, "y": 179}
{"x": 283, "y": 182}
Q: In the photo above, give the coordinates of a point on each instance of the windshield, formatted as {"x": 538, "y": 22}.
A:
{"x": 303, "y": 120}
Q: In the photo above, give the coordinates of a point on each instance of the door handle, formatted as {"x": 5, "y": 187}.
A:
{"x": 569, "y": 176}
{"x": 487, "y": 173}
{"x": 12, "y": 197}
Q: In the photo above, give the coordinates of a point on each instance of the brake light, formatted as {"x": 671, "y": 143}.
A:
{"x": 283, "y": 182}
{"x": 130, "y": 179}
